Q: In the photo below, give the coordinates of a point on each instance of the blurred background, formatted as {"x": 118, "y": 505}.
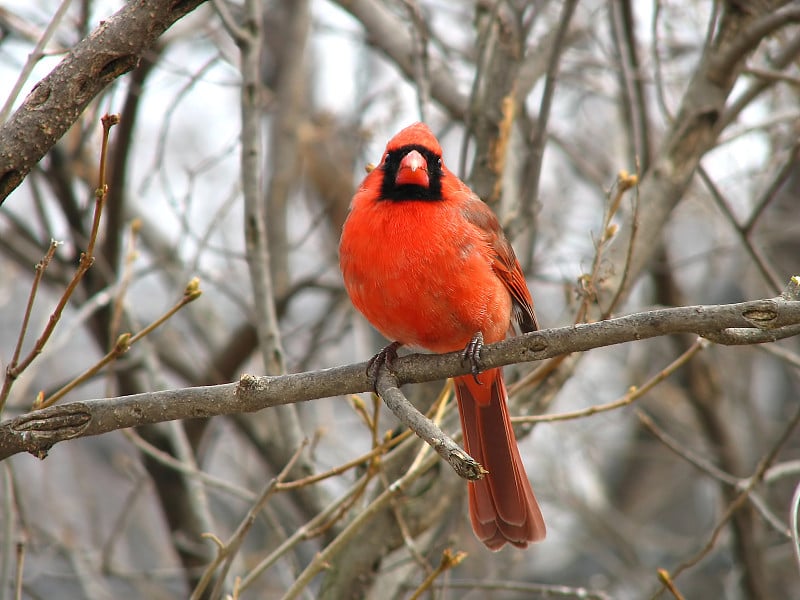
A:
{"x": 538, "y": 105}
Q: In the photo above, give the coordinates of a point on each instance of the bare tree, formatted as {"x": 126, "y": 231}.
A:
{"x": 643, "y": 157}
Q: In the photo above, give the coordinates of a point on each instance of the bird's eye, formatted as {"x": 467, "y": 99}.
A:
{"x": 439, "y": 161}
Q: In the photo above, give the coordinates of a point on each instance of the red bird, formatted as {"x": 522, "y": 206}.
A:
{"x": 426, "y": 262}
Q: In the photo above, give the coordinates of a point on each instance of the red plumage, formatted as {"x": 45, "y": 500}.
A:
{"x": 426, "y": 262}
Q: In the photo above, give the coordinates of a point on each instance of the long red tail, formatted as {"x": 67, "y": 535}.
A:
{"x": 502, "y": 506}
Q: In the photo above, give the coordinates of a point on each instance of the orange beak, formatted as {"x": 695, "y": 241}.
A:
{"x": 413, "y": 170}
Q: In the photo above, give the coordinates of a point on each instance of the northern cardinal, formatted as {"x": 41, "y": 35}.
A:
{"x": 426, "y": 262}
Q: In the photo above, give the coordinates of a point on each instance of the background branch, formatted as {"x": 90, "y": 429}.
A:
{"x": 114, "y": 48}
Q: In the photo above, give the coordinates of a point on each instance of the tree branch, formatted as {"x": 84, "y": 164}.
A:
{"x": 55, "y": 103}
{"x": 693, "y": 133}
{"x": 37, "y": 431}
{"x": 392, "y": 36}
{"x": 463, "y": 464}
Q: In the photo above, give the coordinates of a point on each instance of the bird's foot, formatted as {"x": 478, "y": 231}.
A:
{"x": 472, "y": 353}
{"x": 385, "y": 357}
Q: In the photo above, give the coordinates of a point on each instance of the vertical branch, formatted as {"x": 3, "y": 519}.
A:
{"x": 633, "y": 99}
{"x": 280, "y": 434}
{"x": 284, "y": 144}
{"x": 534, "y": 171}
{"x": 493, "y": 101}
{"x": 118, "y": 164}
{"x": 7, "y": 544}
{"x": 258, "y": 253}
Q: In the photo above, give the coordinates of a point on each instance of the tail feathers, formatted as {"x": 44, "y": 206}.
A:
{"x": 502, "y": 506}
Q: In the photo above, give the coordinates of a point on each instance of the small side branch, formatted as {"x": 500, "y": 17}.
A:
{"x": 463, "y": 464}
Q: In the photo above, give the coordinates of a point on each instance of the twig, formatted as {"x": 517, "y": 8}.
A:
{"x": 449, "y": 560}
{"x": 663, "y": 577}
{"x": 539, "y": 137}
{"x": 623, "y": 27}
{"x": 237, "y": 33}
{"x": 679, "y": 449}
{"x": 170, "y": 461}
{"x": 7, "y": 554}
{"x": 11, "y": 372}
{"x": 123, "y": 344}
{"x": 353, "y": 528}
{"x": 589, "y": 283}
{"x": 743, "y": 231}
{"x": 227, "y": 551}
{"x": 626, "y": 270}
{"x": 790, "y": 358}
{"x": 388, "y": 32}
{"x": 343, "y": 468}
{"x": 304, "y": 532}
{"x": 436, "y": 413}
{"x": 633, "y": 394}
{"x": 529, "y": 590}
{"x": 124, "y": 281}
{"x": 125, "y": 514}
{"x": 741, "y": 498}
{"x": 113, "y": 48}
{"x": 421, "y": 65}
{"x": 86, "y": 261}
{"x": 712, "y": 470}
{"x": 658, "y": 71}
{"x": 793, "y": 518}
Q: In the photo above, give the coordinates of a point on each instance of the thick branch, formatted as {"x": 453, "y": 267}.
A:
{"x": 693, "y": 133}
{"x": 391, "y": 35}
{"x": 38, "y": 431}
{"x": 114, "y": 48}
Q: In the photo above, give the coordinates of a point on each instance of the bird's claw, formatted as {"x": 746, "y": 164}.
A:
{"x": 472, "y": 353}
{"x": 386, "y": 357}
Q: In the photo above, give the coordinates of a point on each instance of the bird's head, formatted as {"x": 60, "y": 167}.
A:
{"x": 412, "y": 166}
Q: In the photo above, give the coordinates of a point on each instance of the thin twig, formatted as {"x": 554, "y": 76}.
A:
{"x": 422, "y": 79}
{"x": 8, "y": 543}
{"x": 124, "y": 342}
{"x": 663, "y": 577}
{"x": 742, "y": 231}
{"x": 353, "y": 528}
{"x": 86, "y": 261}
{"x": 449, "y": 560}
{"x": 590, "y": 282}
{"x": 227, "y": 551}
{"x": 709, "y": 468}
{"x": 793, "y": 518}
{"x": 538, "y": 141}
{"x": 741, "y": 498}
{"x": 529, "y": 590}
{"x": 11, "y": 370}
{"x": 633, "y": 394}
{"x": 304, "y": 532}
